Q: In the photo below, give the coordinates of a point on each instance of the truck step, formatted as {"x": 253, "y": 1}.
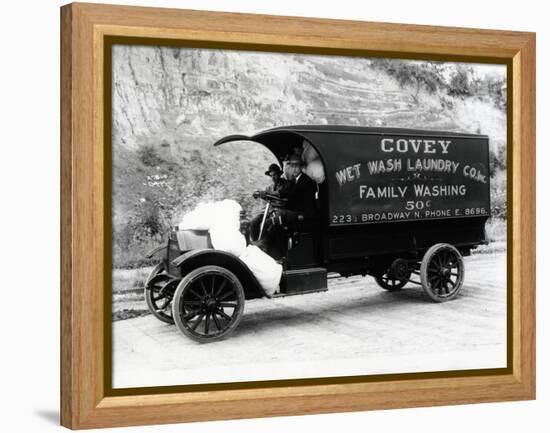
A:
{"x": 302, "y": 281}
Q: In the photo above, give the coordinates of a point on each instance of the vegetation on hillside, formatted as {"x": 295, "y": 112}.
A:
{"x": 456, "y": 80}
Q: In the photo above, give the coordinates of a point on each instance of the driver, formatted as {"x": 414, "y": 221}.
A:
{"x": 278, "y": 184}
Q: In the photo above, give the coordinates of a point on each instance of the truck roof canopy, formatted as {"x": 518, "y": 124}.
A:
{"x": 280, "y": 140}
{"x": 366, "y": 167}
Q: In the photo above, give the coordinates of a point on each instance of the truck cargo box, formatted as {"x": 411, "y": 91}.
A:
{"x": 379, "y": 178}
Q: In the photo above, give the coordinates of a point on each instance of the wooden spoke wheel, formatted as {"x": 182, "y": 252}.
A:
{"x": 390, "y": 283}
{"x": 442, "y": 272}
{"x": 159, "y": 291}
{"x": 208, "y": 304}
{"x": 395, "y": 277}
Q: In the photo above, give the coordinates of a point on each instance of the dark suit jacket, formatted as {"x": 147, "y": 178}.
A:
{"x": 301, "y": 194}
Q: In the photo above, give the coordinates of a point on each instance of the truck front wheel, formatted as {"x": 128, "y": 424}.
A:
{"x": 208, "y": 304}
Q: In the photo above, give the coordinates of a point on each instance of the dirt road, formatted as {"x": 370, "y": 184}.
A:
{"x": 354, "y": 328}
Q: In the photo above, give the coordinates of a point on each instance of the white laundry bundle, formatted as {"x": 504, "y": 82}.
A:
{"x": 315, "y": 170}
{"x": 266, "y": 270}
{"x": 226, "y": 215}
{"x": 222, "y": 220}
{"x": 213, "y": 215}
{"x": 230, "y": 241}
{"x": 314, "y": 167}
{"x": 199, "y": 218}
{"x": 309, "y": 153}
{"x": 224, "y": 227}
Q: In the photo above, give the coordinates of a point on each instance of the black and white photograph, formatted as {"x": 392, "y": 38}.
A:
{"x": 291, "y": 216}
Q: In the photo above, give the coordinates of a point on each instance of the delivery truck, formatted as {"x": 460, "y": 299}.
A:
{"x": 401, "y": 205}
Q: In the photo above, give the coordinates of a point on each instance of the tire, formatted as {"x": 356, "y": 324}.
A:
{"x": 389, "y": 283}
{"x": 200, "y": 303}
{"x": 158, "y": 292}
{"x": 442, "y": 272}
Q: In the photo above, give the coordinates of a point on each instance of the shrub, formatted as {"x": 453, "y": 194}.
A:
{"x": 497, "y": 160}
{"x": 148, "y": 155}
{"x": 461, "y": 83}
{"x": 496, "y": 88}
{"x": 419, "y": 76}
{"x": 498, "y": 195}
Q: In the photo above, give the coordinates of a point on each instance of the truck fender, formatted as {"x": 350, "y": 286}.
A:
{"x": 193, "y": 259}
{"x": 155, "y": 251}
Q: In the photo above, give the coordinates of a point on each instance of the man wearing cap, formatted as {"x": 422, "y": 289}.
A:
{"x": 275, "y": 173}
{"x": 278, "y": 184}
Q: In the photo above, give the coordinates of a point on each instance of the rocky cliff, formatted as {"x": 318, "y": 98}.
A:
{"x": 173, "y": 94}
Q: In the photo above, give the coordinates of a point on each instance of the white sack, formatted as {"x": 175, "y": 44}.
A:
{"x": 314, "y": 167}
{"x": 309, "y": 154}
{"x": 199, "y": 218}
{"x": 266, "y": 270}
{"x": 315, "y": 170}
{"x": 224, "y": 227}
{"x": 226, "y": 214}
{"x": 222, "y": 220}
{"x": 230, "y": 241}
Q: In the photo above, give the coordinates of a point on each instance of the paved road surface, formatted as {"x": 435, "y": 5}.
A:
{"x": 354, "y": 328}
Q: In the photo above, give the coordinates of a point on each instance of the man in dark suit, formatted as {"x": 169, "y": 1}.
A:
{"x": 300, "y": 191}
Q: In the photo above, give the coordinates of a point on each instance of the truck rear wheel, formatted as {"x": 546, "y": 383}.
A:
{"x": 388, "y": 282}
{"x": 208, "y": 304}
{"x": 395, "y": 277}
{"x": 442, "y": 272}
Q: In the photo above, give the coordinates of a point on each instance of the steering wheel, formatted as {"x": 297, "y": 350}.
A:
{"x": 272, "y": 202}
{"x": 272, "y": 199}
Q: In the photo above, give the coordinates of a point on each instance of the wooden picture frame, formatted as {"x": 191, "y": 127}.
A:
{"x": 87, "y": 400}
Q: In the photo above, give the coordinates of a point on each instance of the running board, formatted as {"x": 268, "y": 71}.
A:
{"x": 302, "y": 281}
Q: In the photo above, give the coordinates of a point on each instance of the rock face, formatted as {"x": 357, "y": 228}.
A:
{"x": 172, "y": 94}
